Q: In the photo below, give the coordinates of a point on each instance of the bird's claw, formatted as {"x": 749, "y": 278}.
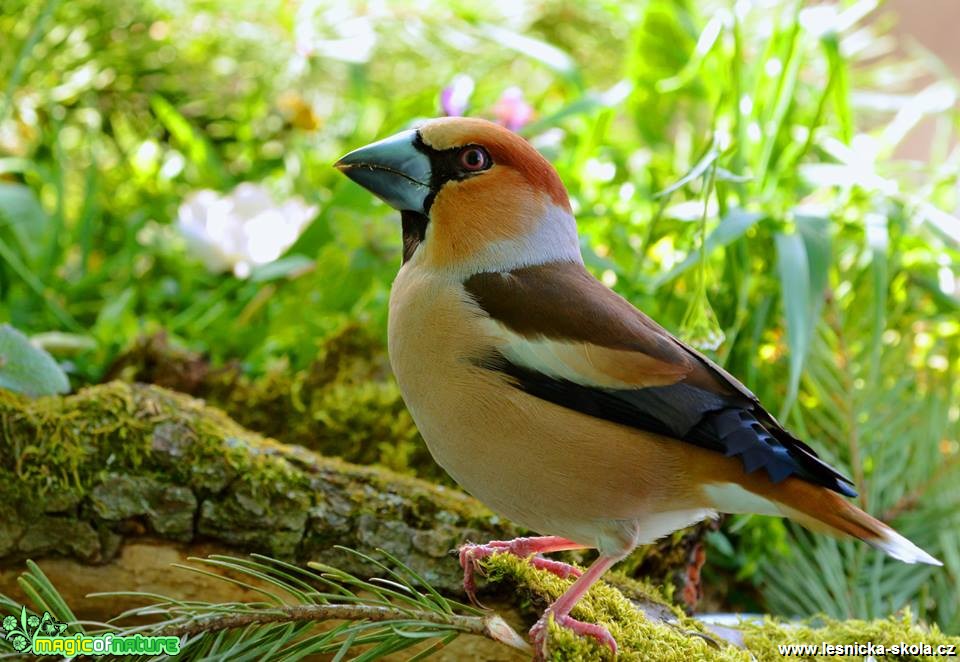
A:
{"x": 538, "y": 633}
{"x": 468, "y": 562}
{"x": 470, "y": 554}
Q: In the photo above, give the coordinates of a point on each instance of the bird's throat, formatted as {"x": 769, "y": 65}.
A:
{"x": 414, "y": 231}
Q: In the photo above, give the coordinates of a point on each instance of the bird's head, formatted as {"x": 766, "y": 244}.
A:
{"x": 473, "y": 196}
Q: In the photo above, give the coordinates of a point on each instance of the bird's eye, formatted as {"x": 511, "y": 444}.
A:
{"x": 474, "y": 159}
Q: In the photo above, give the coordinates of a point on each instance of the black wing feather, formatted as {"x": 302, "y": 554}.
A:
{"x": 722, "y": 423}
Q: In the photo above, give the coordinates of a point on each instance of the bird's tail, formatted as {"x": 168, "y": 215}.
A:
{"x": 819, "y": 509}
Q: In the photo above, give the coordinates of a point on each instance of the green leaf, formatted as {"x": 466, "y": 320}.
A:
{"x": 841, "y": 86}
{"x": 198, "y": 149}
{"x": 732, "y": 226}
{"x": 27, "y": 369}
{"x": 22, "y": 217}
{"x": 785, "y": 98}
{"x": 536, "y": 49}
{"x": 52, "y": 601}
{"x": 116, "y": 318}
{"x": 585, "y": 104}
{"x": 15, "y": 164}
{"x": 286, "y": 267}
{"x": 708, "y": 38}
{"x": 721, "y": 543}
{"x": 695, "y": 173}
{"x": 724, "y": 175}
{"x": 816, "y": 239}
{"x": 794, "y": 271}
{"x": 58, "y": 343}
{"x": 14, "y": 75}
{"x": 13, "y": 260}
{"x": 802, "y": 288}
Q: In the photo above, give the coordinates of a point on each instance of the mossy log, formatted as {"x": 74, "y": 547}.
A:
{"x": 82, "y": 475}
{"x": 119, "y": 462}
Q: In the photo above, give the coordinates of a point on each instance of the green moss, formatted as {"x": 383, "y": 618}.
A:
{"x": 763, "y": 638}
{"x": 116, "y": 454}
{"x": 647, "y": 627}
{"x": 80, "y": 439}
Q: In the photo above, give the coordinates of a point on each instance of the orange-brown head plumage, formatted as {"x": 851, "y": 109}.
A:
{"x": 474, "y": 196}
{"x": 500, "y": 206}
{"x": 508, "y": 150}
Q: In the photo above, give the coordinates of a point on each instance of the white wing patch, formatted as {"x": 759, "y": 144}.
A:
{"x": 583, "y": 363}
{"x": 560, "y": 360}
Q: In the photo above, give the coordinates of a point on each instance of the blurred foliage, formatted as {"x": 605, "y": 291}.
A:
{"x": 764, "y": 133}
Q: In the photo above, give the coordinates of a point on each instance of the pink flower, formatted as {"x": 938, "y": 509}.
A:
{"x": 512, "y": 110}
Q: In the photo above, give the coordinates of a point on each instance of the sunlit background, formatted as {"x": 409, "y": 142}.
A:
{"x": 166, "y": 166}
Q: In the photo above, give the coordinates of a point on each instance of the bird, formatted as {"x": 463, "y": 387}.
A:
{"x": 551, "y": 398}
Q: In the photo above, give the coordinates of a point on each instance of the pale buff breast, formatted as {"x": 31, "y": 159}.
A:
{"x": 543, "y": 466}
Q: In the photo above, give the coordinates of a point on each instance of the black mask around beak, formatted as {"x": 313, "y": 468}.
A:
{"x": 393, "y": 169}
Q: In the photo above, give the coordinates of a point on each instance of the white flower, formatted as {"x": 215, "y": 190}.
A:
{"x": 243, "y": 229}
{"x": 341, "y": 30}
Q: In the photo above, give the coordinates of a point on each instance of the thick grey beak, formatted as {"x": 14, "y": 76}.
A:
{"x": 393, "y": 169}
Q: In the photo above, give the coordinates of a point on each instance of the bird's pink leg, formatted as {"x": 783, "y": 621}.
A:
{"x": 522, "y": 547}
{"x": 560, "y": 610}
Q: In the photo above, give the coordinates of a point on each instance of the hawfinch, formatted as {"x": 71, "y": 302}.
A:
{"x": 552, "y": 399}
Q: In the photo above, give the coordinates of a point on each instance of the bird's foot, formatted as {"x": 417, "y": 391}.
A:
{"x": 525, "y": 548}
{"x": 538, "y": 633}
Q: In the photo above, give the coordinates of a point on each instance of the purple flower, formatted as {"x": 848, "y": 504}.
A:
{"x": 512, "y": 110}
{"x": 455, "y": 97}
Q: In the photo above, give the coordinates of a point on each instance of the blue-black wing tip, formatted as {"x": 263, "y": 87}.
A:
{"x": 846, "y": 489}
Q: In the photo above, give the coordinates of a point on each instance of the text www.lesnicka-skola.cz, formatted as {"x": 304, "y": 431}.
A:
{"x": 866, "y": 649}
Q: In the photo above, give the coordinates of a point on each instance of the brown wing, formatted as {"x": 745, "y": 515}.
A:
{"x": 576, "y": 343}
